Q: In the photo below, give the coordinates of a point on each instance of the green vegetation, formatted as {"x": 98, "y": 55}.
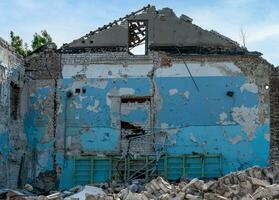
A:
{"x": 38, "y": 40}
{"x": 41, "y": 40}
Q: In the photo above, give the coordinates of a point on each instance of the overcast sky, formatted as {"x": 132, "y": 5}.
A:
{"x": 67, "y": 20}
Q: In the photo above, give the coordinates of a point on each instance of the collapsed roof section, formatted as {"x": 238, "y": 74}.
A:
{"x": 159, "y": 30}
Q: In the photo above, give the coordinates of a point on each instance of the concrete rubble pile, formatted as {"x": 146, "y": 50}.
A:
{"x": 251, "y": 184}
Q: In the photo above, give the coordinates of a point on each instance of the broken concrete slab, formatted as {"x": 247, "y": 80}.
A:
{"x": 271, "y": 191}
{"x": 87, "y": 190}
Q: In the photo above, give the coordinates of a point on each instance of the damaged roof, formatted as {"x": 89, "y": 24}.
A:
{"x": 162, "y": 29}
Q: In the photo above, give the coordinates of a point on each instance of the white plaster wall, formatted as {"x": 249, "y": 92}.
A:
{"x": 176, "y": 70}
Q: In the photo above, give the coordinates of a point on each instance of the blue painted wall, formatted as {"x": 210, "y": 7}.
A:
{"x": 4, "y": 146}
{"x": 192, "y": 121}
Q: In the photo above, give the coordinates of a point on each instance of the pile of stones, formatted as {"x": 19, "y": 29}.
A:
{"x": 251, "y": 184}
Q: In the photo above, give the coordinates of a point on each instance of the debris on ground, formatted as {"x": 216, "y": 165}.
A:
{"x": 86, "y": 191}
{"x": 10, "y": 194}
{"x": 254, "y": 183}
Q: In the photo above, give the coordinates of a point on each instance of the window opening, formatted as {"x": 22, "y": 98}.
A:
{"x": 14, "y": 100}
{"x": 137, "y": 37}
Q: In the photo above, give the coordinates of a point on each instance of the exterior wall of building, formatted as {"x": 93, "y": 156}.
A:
{"x": 44, "y": 63}
{"x": 102, "y": 98}
{"x": 43, "y": 69}
{"x": 274, "y": 118}
{"x": 13, "y": 101}
{"x": 196, "y": 93}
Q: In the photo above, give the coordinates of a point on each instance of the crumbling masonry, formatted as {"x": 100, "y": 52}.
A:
{"x": 192, "y": 104}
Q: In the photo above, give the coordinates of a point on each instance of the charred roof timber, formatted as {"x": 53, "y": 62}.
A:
{"x": 161, "y": 30}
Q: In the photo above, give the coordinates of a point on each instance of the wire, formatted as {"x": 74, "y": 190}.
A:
{"x": 188, "y": 70}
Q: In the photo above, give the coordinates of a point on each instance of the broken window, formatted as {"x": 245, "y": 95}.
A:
{"x": 135, "y": 124}
{"x": 137, "y": 37}
{"x": 14, "y": 100}
{"x": 132, "y": 109}
{"x": 130, "y": 130}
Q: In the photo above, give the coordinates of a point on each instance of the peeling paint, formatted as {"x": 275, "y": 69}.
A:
{"x": 60, "y": 110}
{"x": 224, "y": 119}
{"x": 173, "y": 92}
{"x": 193, "y": 138}
{"x": 76, "y": 104}
{"x": 250, "y": 87}
{"x": 197, "y": 70}
{"x": 81, "y": 98}
{"x": 94, "y": 108}
{"x": 235, "y": 139}
{"x": 164, "y": 125}
{"x": 186, "y": 94}
{"x": 267, "y": 137}
{"x": 247, "y": 118}
{"x": 187, "y": 122}
{"x": 126, "y": 91}
{"x": 79, "y": 84}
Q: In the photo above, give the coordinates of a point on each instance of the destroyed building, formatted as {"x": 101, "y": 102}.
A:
{"x": 13, "y": 103}
{"x": 148, "y": 94}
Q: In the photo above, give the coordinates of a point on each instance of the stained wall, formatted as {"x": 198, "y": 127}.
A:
{"x": 227, "y": 113}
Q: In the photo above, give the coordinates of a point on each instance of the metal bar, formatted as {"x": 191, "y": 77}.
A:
{"x": 166, "y": 166}
{"x": 183, "y": 165}
{"x": 134, "y": 168}
{"x": 110, "y": 168}
{"x": 220, "y": 165}
{"x": 116, "y": 21}
{"x": 188, "y": 70}
{"x": 125, "y": 170}
{"x": 203, "y": 165}
{"x": 74, "y": 172}
{"x": 146, "y": 168}
{"x": 65, "y": 131}
{"x": 91, "y": 170}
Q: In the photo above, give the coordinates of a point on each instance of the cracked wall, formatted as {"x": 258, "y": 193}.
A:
{"x": 228, "y": 115}
{"x": 274, "y": 117}
{"x": 111, "y": 103}
{"x": 209, "y": 120}
{"x": 12, "y": 139}
{"x": 40, "y": 122}
{"x": 44, "y": 63}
